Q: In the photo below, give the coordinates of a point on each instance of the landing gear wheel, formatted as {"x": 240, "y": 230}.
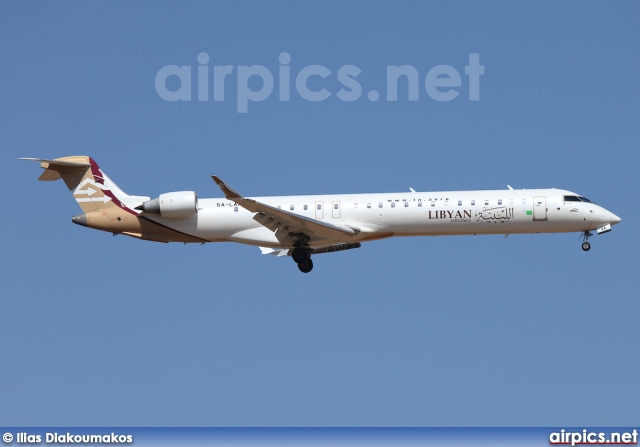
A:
{"x": 299, "y": 254}
{"x": 585, "y": 236}
{"x": 305, "y": 266}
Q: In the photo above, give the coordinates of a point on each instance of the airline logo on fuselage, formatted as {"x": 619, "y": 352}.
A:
{"x": 495, "y": 214}
{"x": 498, "y": 213}
{"x": 453, "y": 216}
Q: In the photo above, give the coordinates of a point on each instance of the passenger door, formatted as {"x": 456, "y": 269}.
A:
{"x": 540, "y": 208}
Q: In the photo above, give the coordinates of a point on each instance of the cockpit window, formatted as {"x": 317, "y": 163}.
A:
{"x": 584, "y": 199}
{"x": 572, "y": 199}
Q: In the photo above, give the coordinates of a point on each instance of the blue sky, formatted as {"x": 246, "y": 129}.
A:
{"x": 458, "y": 331}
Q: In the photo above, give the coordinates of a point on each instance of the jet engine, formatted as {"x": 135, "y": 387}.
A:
{"x": 172, "y": 204}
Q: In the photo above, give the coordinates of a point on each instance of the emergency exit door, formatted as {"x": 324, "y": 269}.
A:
{"x": 319, "y": 210}
{"x": 335, "y": 211}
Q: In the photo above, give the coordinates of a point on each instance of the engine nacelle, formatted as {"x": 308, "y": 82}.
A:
{"x": 172, "y": 204}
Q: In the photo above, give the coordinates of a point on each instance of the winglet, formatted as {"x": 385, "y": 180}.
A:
{"x": 229, "y": 192}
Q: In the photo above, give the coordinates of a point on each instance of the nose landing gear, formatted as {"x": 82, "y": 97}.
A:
{"x": 586, "y": 246}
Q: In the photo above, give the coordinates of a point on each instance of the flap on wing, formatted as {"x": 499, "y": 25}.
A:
{"x": 274, "y": 251}
{"x": 284, "y": 223}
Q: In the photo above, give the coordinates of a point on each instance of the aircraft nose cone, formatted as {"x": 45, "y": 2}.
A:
{"x": 615, "y": 219}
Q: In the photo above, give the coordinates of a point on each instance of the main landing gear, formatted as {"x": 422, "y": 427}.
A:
{"x": 302, "y": 257}
{"x": 586, "y": 246}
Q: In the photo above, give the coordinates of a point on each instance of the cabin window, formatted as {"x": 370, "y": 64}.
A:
{"x": 291, "y": 207}
{"x": 335, "y": 206}
{"x": 419, "y": 204}
{"x": 355, "y": 206}
{"x": 306, "y": 207}
{"x": 235, "y": 208}
{"x": 368, "y": 205}
{"x": 486, "y": 202}
{"x": 380, "y": 205}
{"x": 393, "y": 204}
{"x": 459, "y": 202}
{"x": 473, "y": 202}
{"x": 499, "y": 201}
{"x": 433, "y": 203}
{"x": 319, "y": 206}
{"x": 406, "y": 204}
{"x": 571, "y": 199}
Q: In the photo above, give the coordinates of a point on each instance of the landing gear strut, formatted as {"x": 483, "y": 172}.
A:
{"x": 302, "y": 257}
{"x": 586, "y": 246}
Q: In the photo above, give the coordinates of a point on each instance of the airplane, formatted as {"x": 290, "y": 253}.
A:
{"x": 303, "y": 226}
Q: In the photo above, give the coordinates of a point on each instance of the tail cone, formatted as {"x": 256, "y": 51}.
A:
{"x": 80, "y": 219}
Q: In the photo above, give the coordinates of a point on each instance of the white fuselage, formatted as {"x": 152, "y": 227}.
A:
{"x": 303, "y": 226}
{"x": 381, "y": 215}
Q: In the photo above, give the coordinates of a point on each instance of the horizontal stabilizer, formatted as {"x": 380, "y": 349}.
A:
{"x": 59, "y": 162}
{"x": 53, "y": 168}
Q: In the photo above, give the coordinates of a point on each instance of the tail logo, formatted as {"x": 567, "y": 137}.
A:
{"x": 91, "y": 187}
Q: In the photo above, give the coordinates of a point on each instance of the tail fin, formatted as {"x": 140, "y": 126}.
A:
{"x": 92, "y": 189}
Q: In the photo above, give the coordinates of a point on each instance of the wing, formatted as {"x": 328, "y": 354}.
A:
{"x": 290, "y": 228}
